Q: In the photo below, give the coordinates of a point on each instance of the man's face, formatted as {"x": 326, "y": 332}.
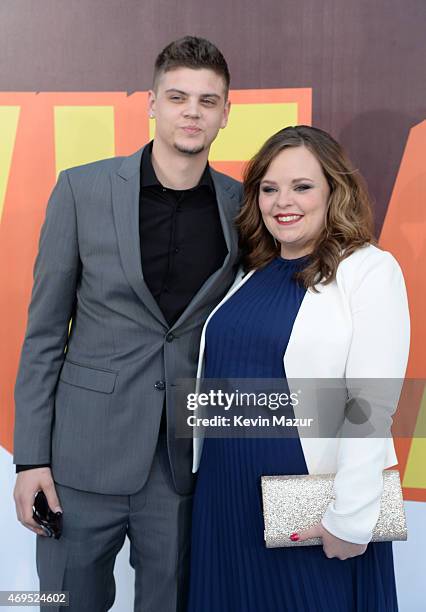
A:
{"x": 189, "y": 107}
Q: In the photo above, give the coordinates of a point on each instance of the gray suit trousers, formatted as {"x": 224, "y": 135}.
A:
{"x": 156, "y": 520}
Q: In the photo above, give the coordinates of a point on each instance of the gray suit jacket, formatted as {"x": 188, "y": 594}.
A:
{"x": 87, "y": 397}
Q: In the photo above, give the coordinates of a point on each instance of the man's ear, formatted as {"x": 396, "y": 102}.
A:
{"x": 151, "y": 103}
{"x": 226, "y": 112}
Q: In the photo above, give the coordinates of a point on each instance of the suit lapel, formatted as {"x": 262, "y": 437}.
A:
{"x": 227, "y": 204}
{"x": 125, "y": 203}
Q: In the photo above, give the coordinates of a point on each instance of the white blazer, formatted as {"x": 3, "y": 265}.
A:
{"x": 356, "y": 327}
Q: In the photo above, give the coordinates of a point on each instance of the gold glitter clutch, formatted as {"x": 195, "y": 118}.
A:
{"x": 295, "y": 503}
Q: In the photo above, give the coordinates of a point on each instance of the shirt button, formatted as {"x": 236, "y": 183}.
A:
{"x": 176, "y": 250}
{"x": 170, "y": 337}
{"x": 160, "y": 385}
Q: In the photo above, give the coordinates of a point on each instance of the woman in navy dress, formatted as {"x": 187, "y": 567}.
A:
{"x": 305, "y": 218}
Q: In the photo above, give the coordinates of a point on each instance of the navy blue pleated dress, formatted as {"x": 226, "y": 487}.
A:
{"x": 231, "y": 569}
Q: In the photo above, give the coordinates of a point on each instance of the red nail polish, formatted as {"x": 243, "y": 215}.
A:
{"x": 294, "y": 537}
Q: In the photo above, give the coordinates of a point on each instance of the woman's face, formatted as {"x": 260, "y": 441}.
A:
{"x": 293, "y": 196}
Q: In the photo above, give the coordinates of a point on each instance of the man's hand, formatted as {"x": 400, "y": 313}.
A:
{"x": 332, "y": 545}
{"x": 28, "y": 483}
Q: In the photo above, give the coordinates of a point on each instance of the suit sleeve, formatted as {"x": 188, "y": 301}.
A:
{"x": 53, "y": 299}
{"x": 375, "y": 371}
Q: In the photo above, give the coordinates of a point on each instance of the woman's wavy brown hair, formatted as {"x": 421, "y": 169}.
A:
{"x": 349, "y": 219}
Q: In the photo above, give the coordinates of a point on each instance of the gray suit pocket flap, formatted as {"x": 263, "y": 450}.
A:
{"x": 87, "y": 377}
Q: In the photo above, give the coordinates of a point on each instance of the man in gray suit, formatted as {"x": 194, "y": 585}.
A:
{"x": 135, "y": 252}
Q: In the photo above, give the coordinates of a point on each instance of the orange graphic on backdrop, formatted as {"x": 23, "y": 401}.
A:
{"x": 33, "y": 173}
{"x": 31, "y": 179}
{"x": 403, "y": 234}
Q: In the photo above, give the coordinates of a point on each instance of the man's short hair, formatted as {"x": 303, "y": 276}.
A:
{"x": 192, "y": 52}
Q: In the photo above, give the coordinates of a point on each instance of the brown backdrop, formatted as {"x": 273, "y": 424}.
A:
{"x": 364, "y": 59}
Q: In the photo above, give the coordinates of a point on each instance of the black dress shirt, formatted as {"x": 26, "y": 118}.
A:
{"x": 181, "y": 241}
{"x": 188, "y": 246}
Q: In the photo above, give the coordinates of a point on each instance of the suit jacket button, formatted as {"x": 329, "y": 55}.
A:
{"x": 160, "y": 385}
{"x": 170, "y": 337}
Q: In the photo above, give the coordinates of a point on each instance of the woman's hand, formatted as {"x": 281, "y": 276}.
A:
{"x": 332, "y": 545}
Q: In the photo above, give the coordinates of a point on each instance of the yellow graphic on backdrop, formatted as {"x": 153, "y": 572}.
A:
{"x": 415, "y": 473}
{"x": 83, "y": 134}
{"x": 9, "y": 116}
